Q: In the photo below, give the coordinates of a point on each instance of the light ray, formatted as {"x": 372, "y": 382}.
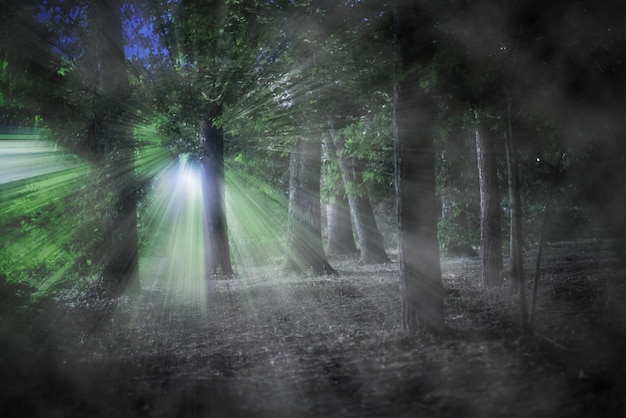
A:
{"x": 175, "y": 216}
{"x": 40, "y": 190}
{"x": 255, "y": 215}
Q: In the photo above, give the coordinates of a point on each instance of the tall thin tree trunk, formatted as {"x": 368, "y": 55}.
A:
{"x": 121, "y": 269}
{"x": 421, "y": 287}
{"x": 542, "y": 240}
{"x": 339, "y": 224}
{"x": 518, "y": 281}
{"x": 371, "y": 240}
{"x": 490, "y": 219}
{"x": 304, "y": 228}
{"x": 218, "y": 248}
{"x": 340, "y": 235}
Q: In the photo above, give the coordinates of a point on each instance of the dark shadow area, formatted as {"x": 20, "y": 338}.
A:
{"x": 288, "y": 345}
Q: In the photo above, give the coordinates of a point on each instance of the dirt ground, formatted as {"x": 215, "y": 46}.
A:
{"x": 266, "y": 344}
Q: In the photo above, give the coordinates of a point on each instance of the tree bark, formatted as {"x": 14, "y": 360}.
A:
{"x": 371, "y": 241}
{"x": 421, "y": 287}
{"x": 121, "y": 268}
{"x": 121, "y": 271}
{"x": 340, "y": 239}
{"x": 518, "y": 281}
{"x": 304, "y": 228}
{"x": 490, "y": 218}
{"x": 340, "y": 233}
{"x": 217, "y": 245}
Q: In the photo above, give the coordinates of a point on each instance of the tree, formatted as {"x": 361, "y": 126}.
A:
{"x": 213, "y": 177}
{"x": 371, "y": 241}
{"x": 121, "y": 269}
{"x": 340, "y": 239}
{"x": 304, "y": 230}
{"x": 490, "y": 225}
{"x": 68, "y": 41}
{"x": 421, "y": 287}
{"x": 208, "y": 46}
{"x": 29, "y": 85}
{"x": 457, "y": 183}
{"x": 329, "y": 64}
{"x": 515, "y": 209}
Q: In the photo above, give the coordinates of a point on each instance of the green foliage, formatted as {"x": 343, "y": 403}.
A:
{"x": 215, "y": 56}
{"x": 50, "y": 228}
{"x": 269, "y": 167}
{"x": 369, "y": 141}
{"x": 451, "y": 236}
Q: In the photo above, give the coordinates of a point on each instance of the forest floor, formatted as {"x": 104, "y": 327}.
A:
{"x": 267, "y": 344}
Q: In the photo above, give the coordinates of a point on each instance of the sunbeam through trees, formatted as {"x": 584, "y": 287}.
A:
{"x": 292, "y": 208}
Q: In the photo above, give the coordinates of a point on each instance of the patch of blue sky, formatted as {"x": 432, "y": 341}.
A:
{"x": 143, "y": 41}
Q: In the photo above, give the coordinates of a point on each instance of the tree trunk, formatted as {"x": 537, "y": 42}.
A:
{"x": 304, "y": 229}
{"x": 339, "y": 224}
{"x": 121, "y": 269}
{"x": 516, "y": 240}
{"x": 455, "y": 218}
{"x": 340, "y": 233}
{"x": 490, "y": 219}
{"x": 421, "y": 287}
{"x": 371, "y": 241}
{"x": 217, "y": 247}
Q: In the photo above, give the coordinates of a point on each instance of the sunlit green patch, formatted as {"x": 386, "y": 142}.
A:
{"x": 256, "y": 219}
{"x": 55, "y": 209}
{"x": 43, "y": 212}
{"x": 151, "y": 157}
{"x": 27, "y": 155}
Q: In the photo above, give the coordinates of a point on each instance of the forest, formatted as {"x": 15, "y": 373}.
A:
{"x": 303, "y": 208}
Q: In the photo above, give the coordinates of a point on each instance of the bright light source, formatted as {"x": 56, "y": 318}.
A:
{"x": 189, "y": 176}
